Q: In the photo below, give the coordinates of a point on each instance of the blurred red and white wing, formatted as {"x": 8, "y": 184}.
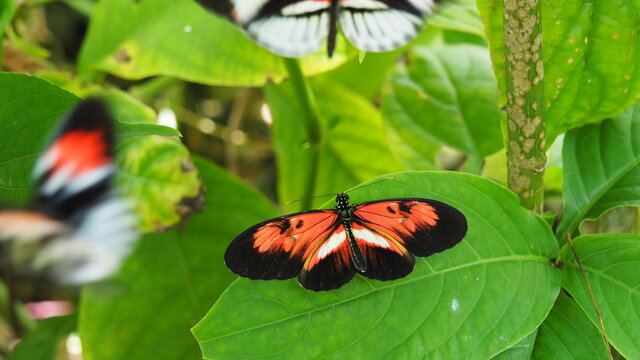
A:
{"x": 78, "y": 230}
{"x": 382, "y": 25}
{"x": 289, "y": 28}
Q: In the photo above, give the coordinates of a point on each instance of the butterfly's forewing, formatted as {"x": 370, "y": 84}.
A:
{"x": 278, "y": 248}
{"x": 288, "y": 28}
{"x": 423, "y": 227}
{"x": 382, "y": 25}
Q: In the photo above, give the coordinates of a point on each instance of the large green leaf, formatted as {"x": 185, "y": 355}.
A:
{"x": 601, "y": 169}
{"x": 353, "y": 147}
{"x": 444, "y": 96}
{"x": 179, "y": 38}
{"x": 591, "y": 54}
{"x": 170, "y": 281}
{"x": 158, "y": 173}
{"x": 612, "y": 264}
{"x": 567, "y": 334}
{"x": 470, "y": 302}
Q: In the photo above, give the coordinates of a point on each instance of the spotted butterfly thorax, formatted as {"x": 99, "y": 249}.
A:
{"x": 326, "y": 248}
{"x": 77, "y": 229}
{"x": 294, "y": 28}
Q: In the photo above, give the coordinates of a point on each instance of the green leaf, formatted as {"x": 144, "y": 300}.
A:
{"x": 352, "y": 135}
{"x": 612, "y": 264}
{"x": 181, "y": 39}
{"x": 601, "y": 169}
{"x": 591, "y": 55}
{"x": 444, "y": 95}
{"x": 170, "y": 281}
{"x": 567, "y": 334}
{"x": 159, "y": 175}
{"x": 42, "y": 343}
{"x": 472, "y": 301}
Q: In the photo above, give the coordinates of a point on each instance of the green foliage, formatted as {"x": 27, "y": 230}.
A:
{"x": 505, "y": 292}
{"x": 591, "y": 57}
{"x": 612, "y": 265}
{"x": 601, "y": 168}
{"x": 455, "y": 86}
{"x": 567, "y": 334}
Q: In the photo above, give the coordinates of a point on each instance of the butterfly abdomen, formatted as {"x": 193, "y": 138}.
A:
{"x": 359, "y": 261}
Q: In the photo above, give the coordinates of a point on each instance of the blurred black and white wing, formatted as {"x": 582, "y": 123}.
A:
{"x": 288, "y": 28}
{"x": 382, "y": 25}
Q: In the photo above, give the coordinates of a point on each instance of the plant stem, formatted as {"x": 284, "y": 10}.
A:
{"x": 311, "y": 118}
{"x": 526, "y": 158}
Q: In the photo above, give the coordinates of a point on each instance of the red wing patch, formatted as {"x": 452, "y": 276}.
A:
{"x": 424, "y": 227}
{"x": 277, "y": 248}
{"x": 81, "y": 150}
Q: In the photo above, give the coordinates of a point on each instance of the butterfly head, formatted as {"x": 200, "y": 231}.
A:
{"x": 342, "y": 202}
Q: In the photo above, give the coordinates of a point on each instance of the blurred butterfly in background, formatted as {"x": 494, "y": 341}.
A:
{"x": 76, "y": 230}
{"x": 294, "y": 28}
{"x": 325, "y": 248}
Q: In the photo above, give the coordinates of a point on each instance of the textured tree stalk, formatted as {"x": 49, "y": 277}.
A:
{"x": 526, "y": 158}
{"x": 311, "y": 120}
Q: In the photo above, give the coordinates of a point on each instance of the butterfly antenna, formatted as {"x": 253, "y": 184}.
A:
{"x": 313, "y": 197}
{"x": 375, "y": 182}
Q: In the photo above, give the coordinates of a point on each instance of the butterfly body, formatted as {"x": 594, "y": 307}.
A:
{"x": 326, "y": 248}
{"x": 295, "y": 28}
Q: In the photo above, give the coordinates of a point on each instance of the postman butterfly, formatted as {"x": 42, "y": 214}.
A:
{"x": 294, "y": 28}
{"x": 76, "y": 230}
{"x": 325, "y": 248}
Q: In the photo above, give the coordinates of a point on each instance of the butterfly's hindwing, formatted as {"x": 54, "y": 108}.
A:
{"x": 386, "y": 258}
{"x": 330, "y": 265}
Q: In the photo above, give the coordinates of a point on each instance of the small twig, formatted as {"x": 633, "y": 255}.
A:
{"x": 593, "y": 297}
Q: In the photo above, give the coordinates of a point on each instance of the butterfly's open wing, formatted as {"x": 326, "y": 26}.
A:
{"x": 311, "y": 245}
{"x": 390, "y": 232}
{"x": 382, "y": 25}
{"x": 289, "y": 28}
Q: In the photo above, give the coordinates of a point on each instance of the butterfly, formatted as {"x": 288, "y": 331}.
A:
{"x": 294, "y": 28}
{"x": 77, "y": 229}
{"x": 326, "y": 248}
